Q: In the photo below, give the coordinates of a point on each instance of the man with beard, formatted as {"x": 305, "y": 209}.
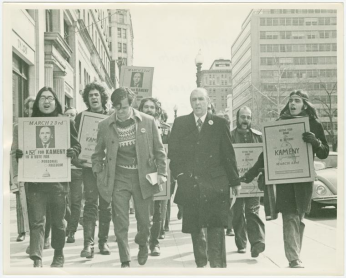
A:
{"x": 95, "y": 98}
{"x": 248, "y": 222}
{"x": 152, "y": 107}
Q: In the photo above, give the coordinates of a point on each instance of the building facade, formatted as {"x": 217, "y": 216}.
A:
{"x": 217, "y": 81}
{"x": 121, "y": 45}
{"x": 62, "y": 49}
{"x": 281, "y": 50}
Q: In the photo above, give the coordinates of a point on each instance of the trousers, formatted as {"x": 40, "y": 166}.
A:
{"x": 75, "y": 200}
{"x": 209, "y": 244}
{"x": 127, "y": 185}
{"x": 293, "y": 231}
{"x": 247, "y": 223}
{"x": 39, "y": 201}
{"x": 160, "y": 208}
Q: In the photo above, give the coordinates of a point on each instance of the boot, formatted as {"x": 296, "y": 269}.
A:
{"x": 70, "y": 237}
{"x": 89, "y": 231}
{"x": 103, "y": 237}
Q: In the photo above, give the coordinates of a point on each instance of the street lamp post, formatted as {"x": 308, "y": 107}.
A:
{"x": 175, "y": 108}
{"x": 198, "y": 62}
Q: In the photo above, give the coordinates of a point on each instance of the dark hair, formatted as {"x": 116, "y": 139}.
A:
{"x": 120, "y": 94}
{"x": 212, "y": 107}
{"x": 100, "y": 88}
{"x": 36, "y": 110}
{"x": 158, "y": 109}
{"x": 310, "y": 109}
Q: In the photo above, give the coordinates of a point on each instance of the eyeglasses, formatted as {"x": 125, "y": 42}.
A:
{"x": 243, "y": 117}
{"x": 50, "y": 99}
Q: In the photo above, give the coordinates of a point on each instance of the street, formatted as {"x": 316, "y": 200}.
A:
{"x": 319, "y": 253}
{"x": 326, "y": 216}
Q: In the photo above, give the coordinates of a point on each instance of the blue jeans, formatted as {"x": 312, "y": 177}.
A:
{"x": 246, "y": 221}
{"x": 293, "y": 230}
{"x": 39, "y": 201}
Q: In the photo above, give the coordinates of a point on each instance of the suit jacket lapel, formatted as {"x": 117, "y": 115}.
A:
{"x": 206, "y": 127}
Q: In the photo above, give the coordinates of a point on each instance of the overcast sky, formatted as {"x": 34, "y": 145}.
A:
{"x": 168, "y": 37}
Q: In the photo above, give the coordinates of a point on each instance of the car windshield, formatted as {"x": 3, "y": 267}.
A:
{"x": 330, "y": 162}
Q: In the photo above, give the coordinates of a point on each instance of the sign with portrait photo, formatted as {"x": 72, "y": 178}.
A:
{"x": 287, "y": 158}
{"x": 87, "y": 134}
{"x": 246, "y": 156}
{"x": 44, "y": 142}
{"x": 138, "y": 79}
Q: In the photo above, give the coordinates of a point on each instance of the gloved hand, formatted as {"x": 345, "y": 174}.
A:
{"x": 19, "y": 154}
{"x": 71, "y": 153}
{"x": 309, "y": 137}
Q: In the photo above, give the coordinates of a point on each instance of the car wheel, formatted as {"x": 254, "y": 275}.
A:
{"x": 315, "y": 207}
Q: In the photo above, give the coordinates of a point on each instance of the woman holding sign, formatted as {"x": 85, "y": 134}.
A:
{"x": 293, "y": 199}
{"x": 53, "y": 194}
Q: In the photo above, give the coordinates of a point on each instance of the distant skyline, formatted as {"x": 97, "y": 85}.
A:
{"x": 168, "y": 38}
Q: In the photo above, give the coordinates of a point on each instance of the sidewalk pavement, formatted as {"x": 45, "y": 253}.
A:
{"x": 319, "y": 252}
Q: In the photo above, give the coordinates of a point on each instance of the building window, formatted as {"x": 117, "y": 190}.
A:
{"x": 119, "y": 32}
{"x": 110, "y": 31}
{"x": 124, "y": 47}
{"x": 125, "y": 61}
{"x": 124, "y": 34}
{"x": 66, "y": 32}
{"x": 49, "y": 21}
{"x": 110, "y": 46}
{"x": 19, "y": 86}
{"x": 121, "y": 18}
{"x": 119, "y": 47}
{"x": 67, "y": 102}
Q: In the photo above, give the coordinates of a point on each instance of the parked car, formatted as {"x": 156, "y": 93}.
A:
{"x": 325, "y": 189}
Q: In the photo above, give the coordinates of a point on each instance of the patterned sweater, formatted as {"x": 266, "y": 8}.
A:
{"x": 127, "y": 156}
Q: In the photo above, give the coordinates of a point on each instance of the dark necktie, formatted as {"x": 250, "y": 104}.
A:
{"x": 199, "y": 124}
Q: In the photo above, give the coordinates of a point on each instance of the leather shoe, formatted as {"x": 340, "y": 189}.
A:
{"x": 155, "y": 251}
{"x": 125, "y": 264}
{"x": 162, "y": 235}
{"x": 37, "y": 263}
{"x": 46, "y": 243}
{"x": 21, "y": 237}
{"x": 70, "y": 237}
{"x": 242, "y": 251}
{"x": 142, "y": 254}
{"x": 88, "y": 251}
{"x": 229, "y": 232}
{"x": 257, "y": 249}
{"x": 58, "y": 261}
{"x": 104, "y": 248}
{"x": 296, "y": 264}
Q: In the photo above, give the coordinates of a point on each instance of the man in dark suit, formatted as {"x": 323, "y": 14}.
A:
{"x": 46, "y": 139}
{"x": 203, "y": 161}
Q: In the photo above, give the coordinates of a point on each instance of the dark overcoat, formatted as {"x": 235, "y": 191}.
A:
{"x": 205, "y": 167}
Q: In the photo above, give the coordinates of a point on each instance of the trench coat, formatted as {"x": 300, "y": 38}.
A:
{"x": 150, "y": 152}
{"x": 205, "y": 166}
{"x": 295, "y": 197}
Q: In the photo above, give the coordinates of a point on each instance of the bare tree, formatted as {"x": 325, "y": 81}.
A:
{"x": 326, "y": 101}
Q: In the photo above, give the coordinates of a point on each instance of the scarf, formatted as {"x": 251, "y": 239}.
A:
{"x": 286, "y": 115}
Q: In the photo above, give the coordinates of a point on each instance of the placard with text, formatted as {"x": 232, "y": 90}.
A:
{"x": 287, "y": 158}
{"x": 44, "y": 142}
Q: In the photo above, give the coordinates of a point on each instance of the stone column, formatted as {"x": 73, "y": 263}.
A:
{"x": 48, "y": 75}
{"x": 59, "y": 88}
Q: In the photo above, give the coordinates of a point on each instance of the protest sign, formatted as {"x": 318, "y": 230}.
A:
{"x": 44, "y": 142}
{"x": 287, "y": 158}
{"x": 87, "y": 135}
{"x": 138, "y": 79}
{"x": 246, "y": 156}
